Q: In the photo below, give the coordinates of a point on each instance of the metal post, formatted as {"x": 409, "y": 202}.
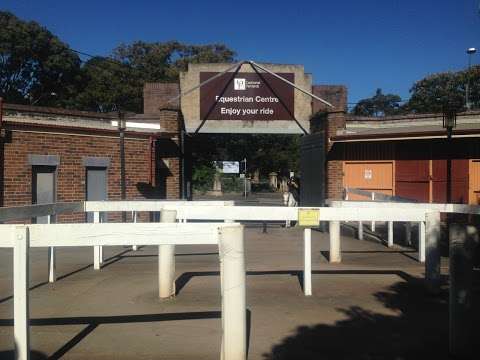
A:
{"x": 408, "y": 233}
{"x": 97, "y": 251}
{"x": 52, "y": 277}
{"x": 123, "y": 184}
{"x": 421, "y": 241}
{"x": 134, "y": 216}
{"x": 232, "y": 260}
{"x": 360, "y": 230}
{"x": 390, "y": 234}
{"x": 335, "y": 253}
{"x": 182, "y": 150}
{"x": 307, "y": 262}
{"x": 245, "y": 177}
{"x": 21, "y": 311}
{"x": 373, "y": 222}
{"x": 432, "y": 252}
{"x": 166, "y": 261}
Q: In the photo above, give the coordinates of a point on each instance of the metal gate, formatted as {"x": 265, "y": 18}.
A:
{"x": 312, "y": 170}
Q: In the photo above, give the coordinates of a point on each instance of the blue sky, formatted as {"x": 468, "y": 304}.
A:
{"x": 361, "y": 44}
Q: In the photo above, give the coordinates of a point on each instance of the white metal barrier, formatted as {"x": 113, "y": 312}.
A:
{"x": 400, "y": 206}
{"x": 224, "y": 213}
{"x": 229, "y": 238}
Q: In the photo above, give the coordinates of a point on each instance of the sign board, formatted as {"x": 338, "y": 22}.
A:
{"x": 246, "y": 100}
{"x": 231, "y": 167}
{"x": 308, "y": 217}
{"x": 246, "y": 96}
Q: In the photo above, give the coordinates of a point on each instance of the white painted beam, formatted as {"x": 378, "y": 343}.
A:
{"x": 432, "y": 252}
{"x": 421, "y": 241}
{"x": 307, "y": 262}
{"x": 166, "y": 261}
{"x": 97, "y": 253}
{"x": 21, "y": 311}
{"x": 390, "y": 234}
{"x": 232, "y": 258}
{"x": 335, "y": 252}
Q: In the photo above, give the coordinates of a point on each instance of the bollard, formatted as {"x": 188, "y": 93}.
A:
{"x": 463, "y": 239}
{"x": 52, "y": 277}
{"x": 408, "y": 233}
{"x": 307, "y": 262}
{"x": 372, "y": 226}
{"x": 264, "y": 231}
{"x": 432, "y": 252}
{"x": 334, "y": 230}
{"x": 232, "y": 267}
{"x": 166, "y": 261}
{"x": 97, "y": 249}
{"x": 390, "y": 234}
{"x": 360, "y": 230}
{"x": 421, "y": 241}
{"x": 134, "y": 216}
{"x": 21, "y": 311}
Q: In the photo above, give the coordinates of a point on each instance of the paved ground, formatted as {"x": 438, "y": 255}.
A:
{"x": 372, "y": 306}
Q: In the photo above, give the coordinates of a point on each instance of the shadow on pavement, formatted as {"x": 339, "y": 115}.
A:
{"x": 419, "y": 330}
{"x": 93, "y": 322}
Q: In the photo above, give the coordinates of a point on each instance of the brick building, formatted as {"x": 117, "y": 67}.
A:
{"x": 410, "y": 157}
{"x": 49, "y": 154}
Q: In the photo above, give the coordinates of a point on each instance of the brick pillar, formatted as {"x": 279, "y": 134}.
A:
{"x": 335, "y": 119}
{"x": 155, "y": 102}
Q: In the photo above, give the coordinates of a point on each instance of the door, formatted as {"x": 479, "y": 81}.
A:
{"x": 312, "y": 170}
{"x": 96, "y": 188}
{"x": 371, "y": 176}
{"x": 43, "y": 191}
{"x": 475, "y": 182}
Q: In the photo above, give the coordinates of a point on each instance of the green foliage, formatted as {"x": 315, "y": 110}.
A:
{"x": 378, "y": 105}
{"x": 118, "y": 81}
{"x": 34, "y": 63}
{"x": 266, "y": 152}
{"x": 432, "y": 93}
{"x": 202, "y": 177}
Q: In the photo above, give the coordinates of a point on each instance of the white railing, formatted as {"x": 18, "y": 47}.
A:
{"x": 192, "y": 212}
{"x": 401, "y": 207}
{"x": 229, "y": 238}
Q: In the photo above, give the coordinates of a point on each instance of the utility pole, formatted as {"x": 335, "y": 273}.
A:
{"x": 245, "y": 177}
{"x": 121, "y": 129}
{"x": 470, "y": 52}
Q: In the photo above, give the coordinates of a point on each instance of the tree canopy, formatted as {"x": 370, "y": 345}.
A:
{"x": 435, "y": 91}
{"x": 378, "y": 105}
{"x": 38, "y": 68}
{"x": 35, "y": 66}
{"x": 118, "y": 81}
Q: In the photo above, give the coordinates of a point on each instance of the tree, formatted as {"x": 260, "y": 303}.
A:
{"x": 35, "y": 66}
{"x": 378, "y": 105}
{"x": 118, "y": 81}
{"x": 433, "y": 92}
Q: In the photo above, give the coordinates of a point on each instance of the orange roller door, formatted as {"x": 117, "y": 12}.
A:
{"x": 369, "y": 176}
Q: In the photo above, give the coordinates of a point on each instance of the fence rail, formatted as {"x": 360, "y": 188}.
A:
{"x": 229, "y": 238}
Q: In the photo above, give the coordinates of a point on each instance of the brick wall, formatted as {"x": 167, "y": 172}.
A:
{"x": 156, "y": 98}
{"x": 17, "y": 172}
{"x": 337, "y": 96}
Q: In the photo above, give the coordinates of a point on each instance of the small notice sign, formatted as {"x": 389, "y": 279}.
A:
{"x": 308, "y": 217}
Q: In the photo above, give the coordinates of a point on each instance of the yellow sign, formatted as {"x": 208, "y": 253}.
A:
{"x": 308, "y": 217}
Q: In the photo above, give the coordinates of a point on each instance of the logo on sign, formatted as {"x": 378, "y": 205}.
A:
{"x": 239, "y": 84}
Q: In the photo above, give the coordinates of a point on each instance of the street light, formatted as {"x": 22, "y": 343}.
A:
{"x": 122, "y": 125}
{"x": 470, "y": 52}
